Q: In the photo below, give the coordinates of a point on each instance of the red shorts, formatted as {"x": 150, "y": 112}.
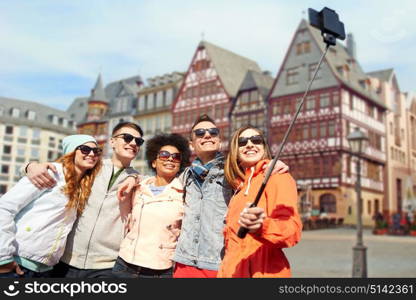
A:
{"x": 184, "y": 271}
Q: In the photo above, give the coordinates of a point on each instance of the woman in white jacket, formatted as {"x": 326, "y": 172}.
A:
{"x": 34, "y": 223}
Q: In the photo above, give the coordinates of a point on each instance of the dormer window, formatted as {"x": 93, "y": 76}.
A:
{"x": 53, "y": 119}
{"x": 303, "y": 47}
{"x": 30, "y": 115}
{"x": 15, "y": 112}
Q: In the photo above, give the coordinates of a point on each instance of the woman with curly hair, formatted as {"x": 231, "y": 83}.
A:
{"x": 154, "y": 227}
{"x": 273, "y": 224}
{"x": 34, "y": 223}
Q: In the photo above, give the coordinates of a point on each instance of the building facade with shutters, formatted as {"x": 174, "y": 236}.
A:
{"x": 29, "y": 131}
{"x": 317, "y": 150}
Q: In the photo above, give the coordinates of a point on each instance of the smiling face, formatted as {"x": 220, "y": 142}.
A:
{"x": 250, "y": 153}
{"x": 85, "y": 162}
{"x": 206, "y": 146}
{"x": 167, "y": 169}
{"x": 122, "y": 150}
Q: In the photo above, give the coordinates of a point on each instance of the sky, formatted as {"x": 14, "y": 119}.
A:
{"x": 52, "y": 51}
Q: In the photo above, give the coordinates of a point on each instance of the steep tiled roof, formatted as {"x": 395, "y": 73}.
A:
{"x": 340, "y": 57}
{"x": 77, "y": 111}
{"x": 384, "y": 75}
{"x": 231, "y": 67}
{"x": 98, "y": 92}
{"x": 254, "y": 79}
{"x": 43, "y": 115}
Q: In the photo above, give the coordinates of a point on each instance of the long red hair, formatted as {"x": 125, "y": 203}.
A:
{"x": 77, "y": 191}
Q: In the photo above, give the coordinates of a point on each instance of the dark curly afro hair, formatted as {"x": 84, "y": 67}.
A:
{"x": 154, "y": 145}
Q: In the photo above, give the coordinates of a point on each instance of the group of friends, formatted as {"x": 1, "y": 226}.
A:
{"x": 87, "y": 217}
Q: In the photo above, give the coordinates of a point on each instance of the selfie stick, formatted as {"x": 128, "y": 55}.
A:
{"x": 329, "y": 40}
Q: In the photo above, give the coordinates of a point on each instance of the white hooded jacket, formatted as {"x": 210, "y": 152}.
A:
{"x": 34, "y": 223}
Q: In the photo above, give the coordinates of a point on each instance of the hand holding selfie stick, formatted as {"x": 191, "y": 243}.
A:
{"x": 331, "y": 29}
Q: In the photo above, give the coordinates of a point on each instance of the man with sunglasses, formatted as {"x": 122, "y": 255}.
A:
{"x": 94, "y": 242}
{"x": 207, "y": 193}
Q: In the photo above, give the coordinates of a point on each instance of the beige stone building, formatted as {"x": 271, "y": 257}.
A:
{"x": 154, "y": 113}
{"x": 29, "y": 131}
{"x": 410, "y": 185}
{"x": 399, "y": 184}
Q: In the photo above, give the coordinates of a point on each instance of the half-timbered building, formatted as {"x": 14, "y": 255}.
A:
{"x": 250, "y": 105}
{"x": 317, "y": 150}
{"x": 210, "y": 85}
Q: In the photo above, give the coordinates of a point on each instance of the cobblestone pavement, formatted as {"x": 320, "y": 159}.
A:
{"x": 328, "y": 253}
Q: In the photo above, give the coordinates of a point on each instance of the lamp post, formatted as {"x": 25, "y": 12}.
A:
{"x": 358, "y": 143}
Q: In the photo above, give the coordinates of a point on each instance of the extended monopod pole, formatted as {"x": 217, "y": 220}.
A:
{"x": 242, "y": 232}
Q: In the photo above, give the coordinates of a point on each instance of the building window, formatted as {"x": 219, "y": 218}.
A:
{"x": 292, "y": 76}
{"x": 322, "y": 132}
{"x": 23, "y": 131}
{"x": 312, "y": 68}
{"x": 9, "y": 130}
{"x": 303, "y": 47}
{"x": 369, "y": 207}
{"x": 324, "y": 100}
{"x": 7, "y": 149}
{"x": 314, "y": 130}
{"x": 331, "y": 128}
{"x": 348, "y": 166}
{"x": 15, "y": 112}
{"x": 31, "y": 115}
{"x": 276, "y": 109}
{"x": 21, "y": 151}
{"x": 3, "y": 189}
{"x": 376, "y": 206}
{"x": 34, "y": 153}
{"x": 5, "y": 169}
{"x": 328, "y": 203}
{"x": 310, "y": 103}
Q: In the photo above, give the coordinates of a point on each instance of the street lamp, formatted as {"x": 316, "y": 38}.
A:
{"x": 358, "y": 144}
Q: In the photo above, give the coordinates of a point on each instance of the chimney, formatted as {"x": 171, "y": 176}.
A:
{"x": 351, "y": 47}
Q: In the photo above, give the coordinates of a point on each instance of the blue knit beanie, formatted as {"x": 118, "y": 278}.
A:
{"x": 70, "y": 142}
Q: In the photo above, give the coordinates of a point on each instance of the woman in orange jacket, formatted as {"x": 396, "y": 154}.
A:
{"x": 273, "y": 224}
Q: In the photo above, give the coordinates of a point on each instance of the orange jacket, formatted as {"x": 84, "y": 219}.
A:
{"x": 260, "y": 254}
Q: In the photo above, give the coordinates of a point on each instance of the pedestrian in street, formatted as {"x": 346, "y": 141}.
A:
{"x": 35, "y": 223}
{"x": 147, "y": 249}
{"x": 273, "y": 224}
{"x": 94, "y": 241}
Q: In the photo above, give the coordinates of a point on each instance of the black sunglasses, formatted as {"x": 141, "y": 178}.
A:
{"x": 87, "y": 150}
{"x": 255, "y": 139}
{"x": 127, "y": 137}
{"x": 200, "y": 132}
{"x": 164, "y": 155}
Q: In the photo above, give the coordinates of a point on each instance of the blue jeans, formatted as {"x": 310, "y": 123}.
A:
{"x": 27, "y": 274}
{"x": 123, "y": 269}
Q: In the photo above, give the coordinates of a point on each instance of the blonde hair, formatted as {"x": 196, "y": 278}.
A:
{"x": 77, "y": 191}
{"x": 233, "y": 172}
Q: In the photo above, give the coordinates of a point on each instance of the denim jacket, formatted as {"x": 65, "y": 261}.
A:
{"x": 201, "y": 241}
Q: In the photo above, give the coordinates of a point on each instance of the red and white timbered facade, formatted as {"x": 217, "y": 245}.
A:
{"x": 202, "y": 92}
